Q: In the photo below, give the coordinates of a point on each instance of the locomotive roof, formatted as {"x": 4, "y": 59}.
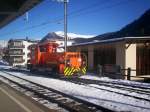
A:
{"x": 50, "y": 42}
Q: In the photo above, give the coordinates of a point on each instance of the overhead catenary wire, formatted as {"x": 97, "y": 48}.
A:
{"x": 57, "y": 20}
{"x": 76, "y": 13}
{"x": 100, "y": 9}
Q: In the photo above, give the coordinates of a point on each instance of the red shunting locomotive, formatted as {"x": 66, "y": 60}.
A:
{"x": 44, "y": 57}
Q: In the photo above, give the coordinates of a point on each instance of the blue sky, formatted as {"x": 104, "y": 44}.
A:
{"x": 87, "y": 17}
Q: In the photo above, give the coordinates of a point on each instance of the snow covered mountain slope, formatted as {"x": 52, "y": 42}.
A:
{"x": 73, "y": 35}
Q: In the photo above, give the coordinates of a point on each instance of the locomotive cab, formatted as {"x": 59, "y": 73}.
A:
{"x": 75, "y": 63}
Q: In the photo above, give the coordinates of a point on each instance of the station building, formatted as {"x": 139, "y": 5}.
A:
{"x": 133, "y": 52}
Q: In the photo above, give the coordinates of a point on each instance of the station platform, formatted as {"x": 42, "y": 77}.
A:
{"x": 142, "y": 78}
{"x": 14, "y": 101}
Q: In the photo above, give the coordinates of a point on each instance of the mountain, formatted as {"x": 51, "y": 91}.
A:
{"x": 59, "y": 35}
{"x": 51, "y": 37}
{"x": 73, "y": 35}
{"x": 139, "y": 27}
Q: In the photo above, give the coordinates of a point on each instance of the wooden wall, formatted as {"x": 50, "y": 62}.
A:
{"x": 143, "y": 59}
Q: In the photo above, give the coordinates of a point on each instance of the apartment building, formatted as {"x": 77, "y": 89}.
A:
{"x": 3, "y": 45}
{"x": 18, "y": 51}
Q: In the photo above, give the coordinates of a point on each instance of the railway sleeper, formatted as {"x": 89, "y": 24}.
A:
{"x": 43, "y": 92}
{"x": 56, "y": 96}
{"x": 78, "y": 106}
{"x": 74, "y": 108}
{"x": 64, "y": 100}
{"x": 46, "y": 94}
{"x": 69, "y": 106}
{"x": 52, "y": 94}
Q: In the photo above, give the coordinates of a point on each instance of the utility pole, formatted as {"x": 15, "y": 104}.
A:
{"x": 26, "y": 19}
{"x": 65, "y": 25}
{"x": 27, "y": 16}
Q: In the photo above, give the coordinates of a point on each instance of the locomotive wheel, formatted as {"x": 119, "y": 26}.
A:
{"x": 55, "y": 72}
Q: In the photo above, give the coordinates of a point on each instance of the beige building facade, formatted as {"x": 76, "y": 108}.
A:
{"x": 127, "y": 52}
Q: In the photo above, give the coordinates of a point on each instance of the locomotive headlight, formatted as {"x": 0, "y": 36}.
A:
{"x": 83, "y": 63}
{"x": 79, "y": 59}
{"x": 68, "y": 62}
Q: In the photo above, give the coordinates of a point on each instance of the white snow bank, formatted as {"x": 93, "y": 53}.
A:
{"x": 2, "y": 62}
{"x": 120, "y": 81}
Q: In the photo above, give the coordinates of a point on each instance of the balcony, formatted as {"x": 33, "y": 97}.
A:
{"x": 16, "y": 53}
{"x": 29, "y": 55}
{"x": 17, "y": 61}
{"x": 16, "y": 47}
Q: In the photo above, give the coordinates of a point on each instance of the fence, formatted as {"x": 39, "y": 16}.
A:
{"x": 115, "y": 71}
{"x": 128, "y": 75}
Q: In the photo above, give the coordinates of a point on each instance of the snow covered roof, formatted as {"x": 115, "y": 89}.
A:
{"x": 127, "y": 39}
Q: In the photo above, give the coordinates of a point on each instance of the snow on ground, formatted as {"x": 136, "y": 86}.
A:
{"x": 94, "y": 77}
{"x": 4, "y": 65}
{"x": 91, "y": 93}
{"x": 3, "y": 62}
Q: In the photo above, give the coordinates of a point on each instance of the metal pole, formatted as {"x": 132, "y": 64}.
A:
{"x": 27, "y": 16}
{"x": 129, "y": 74}
{"x": 65, "y": 25}
{"x": 26, "y": 19}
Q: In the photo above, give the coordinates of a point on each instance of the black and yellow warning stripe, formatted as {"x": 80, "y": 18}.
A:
{"x": 69, "y": 71}
{"x": 66, "y": 71}
{"x": 84, "y": 70}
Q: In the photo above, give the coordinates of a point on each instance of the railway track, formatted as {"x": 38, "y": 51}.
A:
{"x": 122, "y": 86}
{"x": 129, "y": 88}
{"x": 140, "y": 90}
{"x": 134, "y": 88}
{"x": 125, "y": 86}
{"x": 65, "y": 101}
{"x": 104, "y": 87}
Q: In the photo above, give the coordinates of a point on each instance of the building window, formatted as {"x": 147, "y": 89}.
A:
{"x": 18, "y": 43}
